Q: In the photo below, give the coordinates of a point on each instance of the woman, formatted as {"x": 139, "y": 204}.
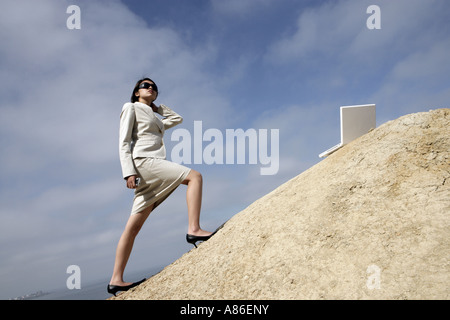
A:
{"x": 144, "y": 168}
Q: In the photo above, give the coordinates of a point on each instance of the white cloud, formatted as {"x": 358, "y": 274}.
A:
{"x": 418, "y": 82}
{"x": 337, "y": 30}
{"x": 238, "y": 7}
{"x": 402, "y": 66}
{"x": 321, "y": 31}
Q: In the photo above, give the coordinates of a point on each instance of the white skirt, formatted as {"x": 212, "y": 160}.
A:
{"x": 159, "y": 178}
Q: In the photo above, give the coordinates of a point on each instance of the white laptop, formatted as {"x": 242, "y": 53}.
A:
{"x": 355, "y": 121}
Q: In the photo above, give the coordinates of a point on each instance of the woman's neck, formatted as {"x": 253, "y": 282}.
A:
{"x": 150, "y": 104}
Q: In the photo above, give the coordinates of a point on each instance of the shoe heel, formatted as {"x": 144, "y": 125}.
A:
{"x": 191, "y": 239}
{"x": 112, "y": 290}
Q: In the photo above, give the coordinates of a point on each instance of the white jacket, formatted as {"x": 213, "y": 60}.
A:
{"x": 142, "y": 132}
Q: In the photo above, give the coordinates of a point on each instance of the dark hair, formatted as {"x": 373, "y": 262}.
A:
{"x": 136, "y": 89}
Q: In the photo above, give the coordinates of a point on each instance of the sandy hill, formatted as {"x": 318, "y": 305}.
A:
{"x": 371, "y": 221}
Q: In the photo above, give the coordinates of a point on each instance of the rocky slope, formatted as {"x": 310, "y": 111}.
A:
{"x": 371, "y": 221}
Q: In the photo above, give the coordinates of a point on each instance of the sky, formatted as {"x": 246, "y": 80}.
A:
{"x": 274, "y": 66}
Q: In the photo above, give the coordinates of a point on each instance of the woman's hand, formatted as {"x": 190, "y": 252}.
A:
{"x": 131, "y": 182}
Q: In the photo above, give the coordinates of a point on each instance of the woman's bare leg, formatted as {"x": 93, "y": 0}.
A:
{"x": 125, "y": 245}
{"x": 194, "y": 182}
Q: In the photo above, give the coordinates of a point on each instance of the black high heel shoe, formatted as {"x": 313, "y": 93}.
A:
{"x": 193, "y": 239}
{"x": 114, "y": 289}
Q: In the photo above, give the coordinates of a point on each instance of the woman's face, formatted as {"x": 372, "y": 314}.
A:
{"x": 146, "y": 92}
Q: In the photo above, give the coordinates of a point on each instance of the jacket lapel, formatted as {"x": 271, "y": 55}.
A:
{"x": 149, "y": 111}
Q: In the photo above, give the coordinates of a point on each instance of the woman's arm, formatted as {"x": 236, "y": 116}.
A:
{"x": 170, "y": 118}
{"x": 127, "y": 120}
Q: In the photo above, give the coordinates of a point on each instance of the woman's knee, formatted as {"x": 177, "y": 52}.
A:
{"x": 197, "y": 176}
{"x": 193, "y": 176}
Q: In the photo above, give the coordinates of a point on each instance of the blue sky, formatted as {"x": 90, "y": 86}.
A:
{"x": 263, "y": 64}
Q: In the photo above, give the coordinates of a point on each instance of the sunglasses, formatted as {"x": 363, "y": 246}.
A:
{"x": 146, "y": 85}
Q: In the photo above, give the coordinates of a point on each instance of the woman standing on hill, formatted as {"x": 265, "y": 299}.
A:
{"x": 144, "y": 168}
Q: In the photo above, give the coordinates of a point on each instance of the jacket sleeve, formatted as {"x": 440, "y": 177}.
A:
{"x": 127, "y": 120}
{"x": 170, "y": 118}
